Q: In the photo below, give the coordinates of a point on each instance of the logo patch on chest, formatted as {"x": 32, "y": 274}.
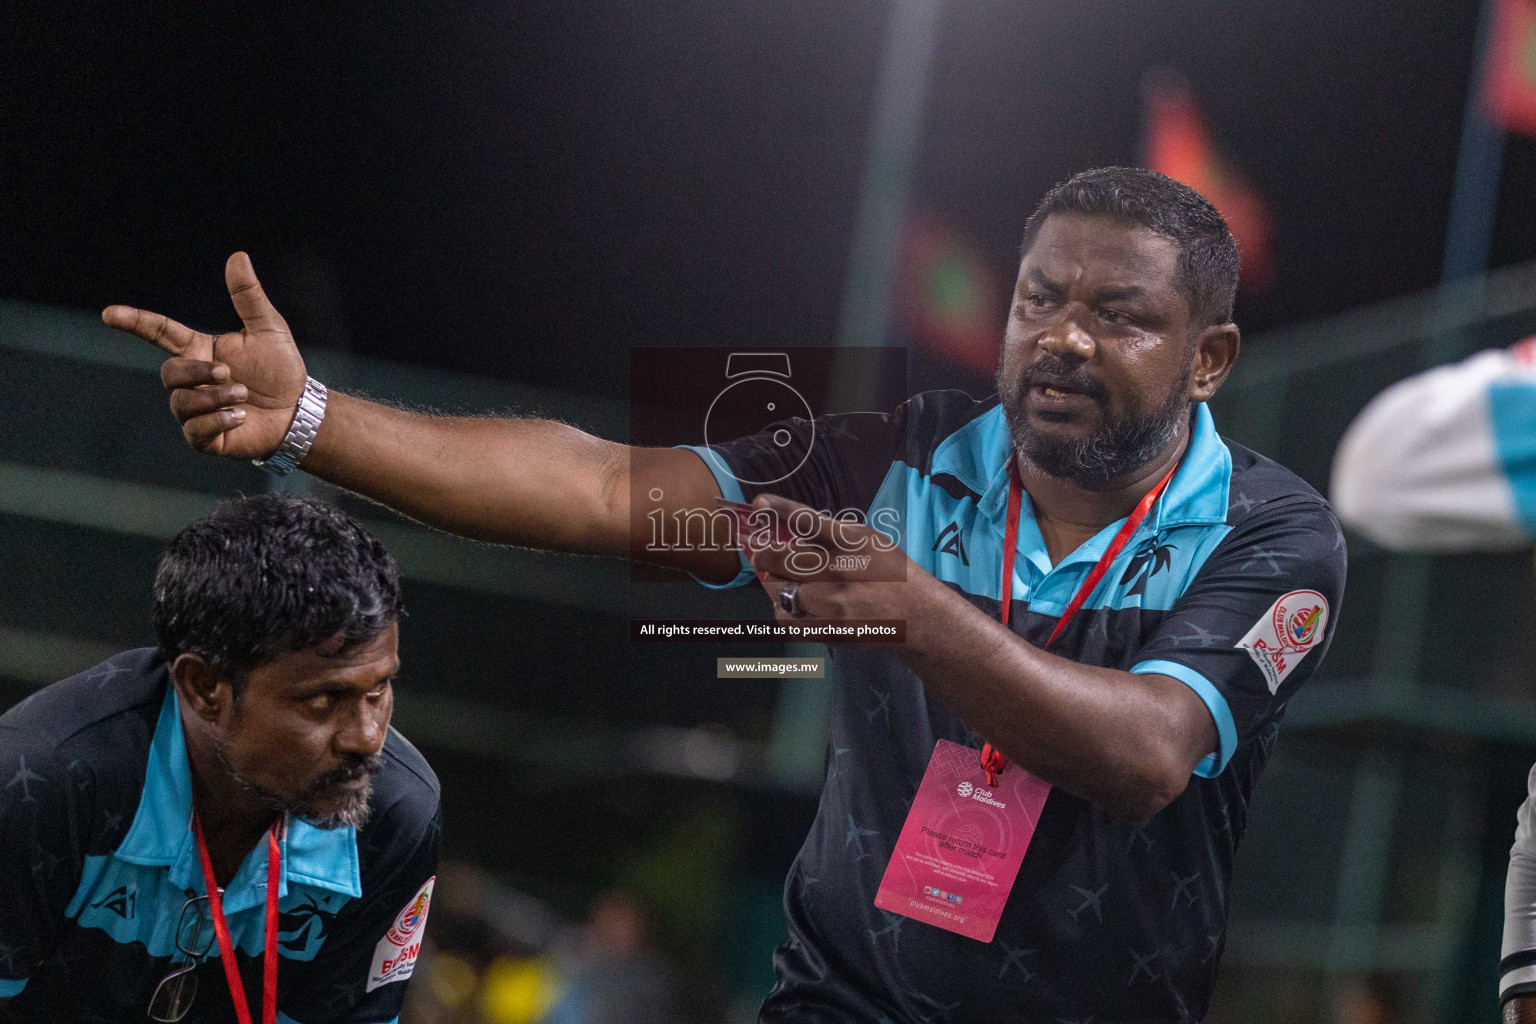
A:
{"x": 122, "y": 901}
{"x": 951, "y": 543}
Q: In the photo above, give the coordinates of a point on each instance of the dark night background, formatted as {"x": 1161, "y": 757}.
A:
{"x": 528, "y": 189}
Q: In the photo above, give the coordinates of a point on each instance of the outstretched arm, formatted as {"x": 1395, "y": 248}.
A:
{"x": 531, "y": 482}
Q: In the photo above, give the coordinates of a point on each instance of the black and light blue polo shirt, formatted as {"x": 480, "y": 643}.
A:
{"x": 97, "y": 861}
{"x": 1109, "y": 921}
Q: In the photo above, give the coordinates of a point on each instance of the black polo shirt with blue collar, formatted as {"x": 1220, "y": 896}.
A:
{"x": 97, "y": 861}
{"x": 1231, "y": 585}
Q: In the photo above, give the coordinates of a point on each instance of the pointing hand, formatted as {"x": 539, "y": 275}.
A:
{"x": 234, "y": 394}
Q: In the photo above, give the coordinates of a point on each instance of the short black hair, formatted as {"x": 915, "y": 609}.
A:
{"x": 1208, "y": 260}
{"x": 269, "y": 574}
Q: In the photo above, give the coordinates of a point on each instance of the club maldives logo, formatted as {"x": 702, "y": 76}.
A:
{"x": 411, "y": 918}
{"x": 1302, "y": 627}
{"x": 1298, "y": 618}
{"x": 974, "y": 792}
{"x": 1294, "y": 624}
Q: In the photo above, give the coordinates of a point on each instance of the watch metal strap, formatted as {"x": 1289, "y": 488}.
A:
{"x": 301, "y": 433}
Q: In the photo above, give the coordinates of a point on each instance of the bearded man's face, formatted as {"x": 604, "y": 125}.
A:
{"x": 1096, "y": 365}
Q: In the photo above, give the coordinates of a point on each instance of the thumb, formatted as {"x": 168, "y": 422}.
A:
{"x": 251, "y": 302}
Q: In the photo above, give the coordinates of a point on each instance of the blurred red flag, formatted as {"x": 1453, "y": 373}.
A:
{"x": 947, "y": 298}
{"x": 1509, "y": 67}
{"x": 1178, "y": 145}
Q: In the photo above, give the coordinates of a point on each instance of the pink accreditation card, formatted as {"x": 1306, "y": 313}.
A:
{"x": 960, "y": 849}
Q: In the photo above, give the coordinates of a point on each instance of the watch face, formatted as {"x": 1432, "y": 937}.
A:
{"x": 748, "y": 406}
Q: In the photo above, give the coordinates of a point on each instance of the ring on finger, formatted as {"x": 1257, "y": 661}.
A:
{"x": 789, "y": 600}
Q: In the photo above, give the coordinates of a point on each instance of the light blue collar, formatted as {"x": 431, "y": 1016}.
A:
{"x": 161, "y": 833}
{"x": 978, "y": 454}
{"x": 1199, "y": 493}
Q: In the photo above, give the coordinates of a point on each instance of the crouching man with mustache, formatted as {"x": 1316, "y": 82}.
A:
{"x": 224, "y": 828}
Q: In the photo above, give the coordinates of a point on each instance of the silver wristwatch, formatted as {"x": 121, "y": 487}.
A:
{"x": 301, "y": 433}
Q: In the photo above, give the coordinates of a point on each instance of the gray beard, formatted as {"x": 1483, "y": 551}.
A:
{"x": 1119, "y": 446}
{"x": 353, "y": 812}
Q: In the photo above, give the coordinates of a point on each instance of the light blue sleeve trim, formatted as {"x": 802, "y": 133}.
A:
{"x": 730, "y": 488}
{"x": 1212, "y": 764}
{"x": 9, "y": 987}
{"x": 1512, "y": 413}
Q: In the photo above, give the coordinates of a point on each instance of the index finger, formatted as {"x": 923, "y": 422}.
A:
{"x": 160, "y": 331}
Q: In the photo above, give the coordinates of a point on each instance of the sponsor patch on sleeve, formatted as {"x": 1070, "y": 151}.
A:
{"x": 394, "y": 958}
{"x": 1283, "y": 635}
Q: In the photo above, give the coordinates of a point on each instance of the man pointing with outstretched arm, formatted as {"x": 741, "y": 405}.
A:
{"x": 1032, "y": 807}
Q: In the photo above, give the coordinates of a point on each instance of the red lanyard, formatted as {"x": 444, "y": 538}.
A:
{"x": 269, "y": 937}
{"x": 992, "y": 760}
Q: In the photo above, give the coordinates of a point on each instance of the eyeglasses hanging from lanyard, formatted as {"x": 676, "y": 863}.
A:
{"x": 992, "y": 759}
